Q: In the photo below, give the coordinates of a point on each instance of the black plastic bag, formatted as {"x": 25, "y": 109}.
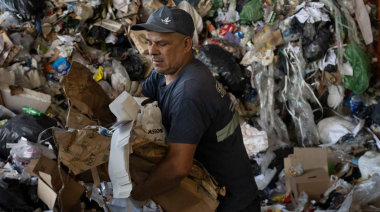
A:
{"x": 16, "y": 198}
{"x": 27, "y": 126}
{"x": 30, "y": 7}
{"x": 134, "y": 67}
{"x": 223, "y": 63}
{"x": 99, "y": 33}
{"x": 316, "y": 49}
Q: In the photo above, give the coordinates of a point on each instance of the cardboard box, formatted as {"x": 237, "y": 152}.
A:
{"x": 314, "y": 183}
{"x": 311, "y": 159}
{"x": 29, "y": 98}
{"x": 47, "y": 169}
{"x": 50, "y": 183}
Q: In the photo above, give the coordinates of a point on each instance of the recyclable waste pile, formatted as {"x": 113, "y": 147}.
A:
{"x": 75, "y": 135}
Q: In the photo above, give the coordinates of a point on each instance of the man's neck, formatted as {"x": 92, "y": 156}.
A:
{"x": 170, "y": 77}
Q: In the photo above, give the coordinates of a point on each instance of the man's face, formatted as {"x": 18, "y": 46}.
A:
{"x": 167, "y": 51}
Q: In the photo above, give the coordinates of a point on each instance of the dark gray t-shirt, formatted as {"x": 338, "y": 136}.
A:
{"x": 195, "y": 110}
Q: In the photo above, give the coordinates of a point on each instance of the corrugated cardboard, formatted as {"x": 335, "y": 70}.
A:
{"x": 70, "y": 194}
{"x": 86, "y": 96}
{"x": 314, "y": 162}
{"x": 314, "y": 183}
{"x": 139, "y": 39}
{"x": 46, "y": 169}
{"x": 82, "y": 150}
{"x": 311, "y": 158}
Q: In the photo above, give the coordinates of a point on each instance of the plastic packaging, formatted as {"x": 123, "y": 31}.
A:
{"x": 24, "y": 152}
{"x": 316, "y": 49}
{"x": 255, "y": 141}
{"x": 119, "y": 76}
{"x": 62, "y": 66}
{"x": 268, "y": 176}
{"x": 134, "y": 66}
{"x": 270, "y": 121}
{"x": 302, "y": 200}
{"x": 149, "y": 125}
{"x": 24, "y": 125}
{"x": 363, "y": 193}
{"x": 266, "y": 160}
{"x": 31, "y": 111}
{"x": 369, "y": 164}
{"x": 252, "y": 11}
{"x": 10, "y": 19}
{"x": 296, "y": 171}
{"x": 211, "y": 28}
{"x": 24, "y": 7}
{"x": 361, "y": 65}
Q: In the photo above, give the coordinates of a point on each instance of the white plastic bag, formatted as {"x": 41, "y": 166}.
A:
{"x": 255, "y": 141}
{"x": 148, "y": 124}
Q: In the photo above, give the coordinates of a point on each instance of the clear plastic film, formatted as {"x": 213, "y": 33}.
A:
{"x": 266, "y": 160}
{"x": 297, "y": 92}
{"x": 363, "y": 193}
{"x": 302, "y": 200}
{"x": 339, "y": 35}
{"x": 270, "y": 121}
{"x": 353, "y": 33}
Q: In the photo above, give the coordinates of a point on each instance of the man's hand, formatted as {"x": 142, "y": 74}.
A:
{"x": 168, "y": 173}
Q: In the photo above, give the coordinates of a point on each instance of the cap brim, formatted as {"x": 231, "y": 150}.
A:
{"x": 150, "y": 27}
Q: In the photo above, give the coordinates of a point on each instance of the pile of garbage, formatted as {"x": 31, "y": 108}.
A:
{"x": 304, "y": 75}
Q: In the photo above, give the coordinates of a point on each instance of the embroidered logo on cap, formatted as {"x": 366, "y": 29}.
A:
{"x": 166, "y": 20}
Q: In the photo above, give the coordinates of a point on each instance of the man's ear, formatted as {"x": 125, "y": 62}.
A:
{"x": 188, "y": 41}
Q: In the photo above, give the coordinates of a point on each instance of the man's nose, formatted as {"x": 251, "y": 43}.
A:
{"x": 153, "y": 49}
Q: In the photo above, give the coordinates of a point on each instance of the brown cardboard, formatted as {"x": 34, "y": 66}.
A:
{"x": 70, "y": 194}
{"x": 311, "y": 158}
{"x": 314, "y": 183}
{"x": 197, "y": 192}
{"x": 139, "y": 39}
{"x": 47, "y": 170}
{"x": 82, "y": 150}
{"x": 86, "y": 96}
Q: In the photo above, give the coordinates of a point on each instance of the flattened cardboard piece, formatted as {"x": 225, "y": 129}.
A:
{"x": 46, "y": 194}
{"x": 313, "y": 182}
{"x": 82, "y": 150}
{"x": 311, "y": 158}
{"x": 2, "y": 21}
{"x": 71, "y": 194}
{"x": 47, "y": 170}
{"x": 78, "y": 120}
{"x": 139, "y": 39}
{"x": 111, "y": 25}
{"x": 86, "y": 95}
{"x": 43, "y": 164}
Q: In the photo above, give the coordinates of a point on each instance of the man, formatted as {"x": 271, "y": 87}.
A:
{"x": 195, "y": 112}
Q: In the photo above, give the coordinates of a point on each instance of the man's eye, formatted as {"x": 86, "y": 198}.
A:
{"x": 149, "y": 43}
{"x": 162, "y": 44}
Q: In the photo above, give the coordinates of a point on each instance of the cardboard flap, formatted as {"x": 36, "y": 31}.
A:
{"x": 70, "y": 194}
{"x": 46, "y": 194}
{"x": 312, "y": 176}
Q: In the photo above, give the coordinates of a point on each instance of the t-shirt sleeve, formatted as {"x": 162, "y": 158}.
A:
{"x": 150, "y": 86}
{"x": 188, "y": 124}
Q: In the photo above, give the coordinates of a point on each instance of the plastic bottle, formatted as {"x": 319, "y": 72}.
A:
{"x": 211, "y": 28}
{"x": 31, "y": 111}
{"x": 342, "y": 157}
{"x": 356, "y": 103}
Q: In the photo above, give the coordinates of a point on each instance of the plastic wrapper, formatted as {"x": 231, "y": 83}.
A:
{"x": 361, "y": 66}
{"x": 363, "y": 193}
{"x": 266, "y": 160}
{"x": 262, "y": 183}
{"x": 255, "y": 141}
{"x": 222, "y": 64}
{"x": 24, "y": 7}
{"x": 119, "y": 76}
{"x": 24, "y": 152}
{"x": 27, "y": 126}
{"x": 297, "y": 92}
{"x": 252, "y": 11}
{"x": 98, "y": 33}
{"x": 269, "y": 121}
{"x": 10, "y": 19}
{"x": 296, "y": 171}
{"x": 302, "y": 200}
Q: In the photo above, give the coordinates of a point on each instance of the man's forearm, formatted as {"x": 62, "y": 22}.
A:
{"x": 164, "y": 177}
